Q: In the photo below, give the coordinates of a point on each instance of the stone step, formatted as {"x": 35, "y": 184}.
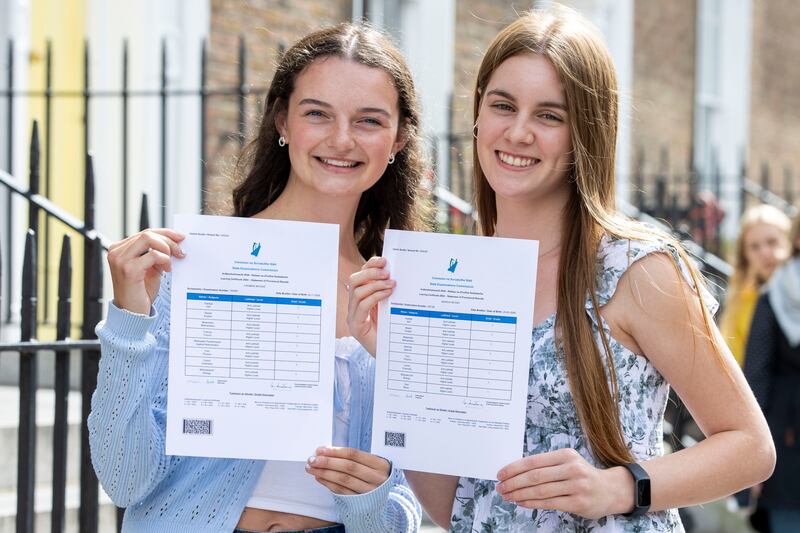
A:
{"x": 9, "y": 435}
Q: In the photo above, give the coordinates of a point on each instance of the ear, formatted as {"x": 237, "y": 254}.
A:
{"x": 402, "y": 136}
{"x": 281, "y": 120}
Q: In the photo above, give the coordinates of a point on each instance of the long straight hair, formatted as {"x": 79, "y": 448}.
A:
{"x": 396, "y": 200}
{"x": 586, "y": 71}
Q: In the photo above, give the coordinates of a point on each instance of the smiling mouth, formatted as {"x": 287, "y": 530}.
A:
{"x": 516, "y": 161}
{"x": 338, "y": 163}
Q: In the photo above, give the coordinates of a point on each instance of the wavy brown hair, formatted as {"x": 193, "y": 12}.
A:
{"x": 586, "y": 71}
{"x": 396, "y": 200}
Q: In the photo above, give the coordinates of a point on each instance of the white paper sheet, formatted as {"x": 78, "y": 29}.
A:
{"x": 453, "y": 353}
{"x": 253, "y": 323}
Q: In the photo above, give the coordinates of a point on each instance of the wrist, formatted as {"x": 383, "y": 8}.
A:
{"x": 622, "y": 495}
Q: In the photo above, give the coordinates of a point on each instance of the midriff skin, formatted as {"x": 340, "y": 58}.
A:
{"x": 263, "y": 520}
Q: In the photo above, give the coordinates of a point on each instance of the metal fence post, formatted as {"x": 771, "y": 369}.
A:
{"x": 60, "y": 422}
{"x": 26, "y": 442}
{"x": 92, "y": 310}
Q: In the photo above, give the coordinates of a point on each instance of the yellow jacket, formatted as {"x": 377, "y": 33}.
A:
{"x": 736, "y": 318}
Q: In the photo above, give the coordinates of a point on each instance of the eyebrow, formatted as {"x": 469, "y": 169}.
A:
{"x": 508, "y": 96}
{"x": 314, "y": 101}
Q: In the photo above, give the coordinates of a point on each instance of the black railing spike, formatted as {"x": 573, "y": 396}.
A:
{"x": 242, "y": 89}
{"x": 163, "y": 112}
{"x": 88, "y": 193}
{"x": 144, "y": 214}
{"x": 124, "y": 161}
{"x": 34, "y": 176}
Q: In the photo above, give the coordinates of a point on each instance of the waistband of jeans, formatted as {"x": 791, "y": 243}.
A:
{"x": 338, "y": 528}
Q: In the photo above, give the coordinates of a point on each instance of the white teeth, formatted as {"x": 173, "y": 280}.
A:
{"x": 515, "y": 161}
{"x": 338, "y": 163}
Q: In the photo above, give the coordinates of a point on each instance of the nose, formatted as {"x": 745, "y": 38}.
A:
{"x": 520, "y": 131}
{"x": 341, "y": 137}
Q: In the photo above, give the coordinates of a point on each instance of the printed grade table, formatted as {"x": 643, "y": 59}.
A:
{"x": 252, "y": 337}
{"x": 458, "y": 354}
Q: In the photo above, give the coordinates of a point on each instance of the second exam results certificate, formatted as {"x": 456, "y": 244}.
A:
{"x": 253, "y": 318}
{"x": 453, "y": 353}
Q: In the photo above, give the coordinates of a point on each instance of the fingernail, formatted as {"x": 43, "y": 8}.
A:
{"x": 501, "y": 474}
{"x": 181, "y": 253}
{"x": 311, "y": 460}
{"x": 384, "y": 272}
{"x": 499, "y": 487}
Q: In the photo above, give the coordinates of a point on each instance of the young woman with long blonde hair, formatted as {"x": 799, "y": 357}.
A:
{"x": 761, "y": 247}
{"x": 620, "y": 313}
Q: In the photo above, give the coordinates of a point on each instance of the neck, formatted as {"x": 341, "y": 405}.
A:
{"x": 301, "y": 203}
{"x": 531, "y": 219}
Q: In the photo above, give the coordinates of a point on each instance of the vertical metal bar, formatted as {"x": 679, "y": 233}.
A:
{"x": 48, "y": 118}
{"x": 33, "y": 178}
{"x": 125, "y": 138}
{"x": 26, "y": 442}
{"x": 60, "y": 425}
{"x": 86, "y": 97}
{"x": 203, "y": 125}
{"x": 144, "y": 214}
{"x": 163, "y": 132}
{"x": 9, "y": 198}
{"x": 640, "y": 198}
{"x": 742, "y": 180}
{"x": 764, "y": 176}
{"x": 788, "y": 185}
{"x": 92, "y": 309}
{"x": 242, "y": 89}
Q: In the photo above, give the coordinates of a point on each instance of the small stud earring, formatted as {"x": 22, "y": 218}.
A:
{"x": 391, "y": 158}
{"x": 281, "y": 141}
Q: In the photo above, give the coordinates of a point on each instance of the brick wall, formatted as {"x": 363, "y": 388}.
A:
{"x": 775, "y": 93}
{"x": 265, "y": 25}
{"x": 663, "y": 84}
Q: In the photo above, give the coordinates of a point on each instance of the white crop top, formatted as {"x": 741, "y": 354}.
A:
{"x": 284, "y": 485}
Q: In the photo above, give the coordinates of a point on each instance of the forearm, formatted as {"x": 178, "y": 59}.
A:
{"x": 720, "y": 465}
{"x": 126, "y": 429}
{"x": 436, "y": 493}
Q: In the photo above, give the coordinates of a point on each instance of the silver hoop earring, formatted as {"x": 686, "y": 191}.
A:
{"x": 475, "y": 131}
{"x": 391, "y": 158}
{"x": 281, "y": 141}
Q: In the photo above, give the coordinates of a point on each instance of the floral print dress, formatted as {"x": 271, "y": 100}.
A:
{"x": 552, "y": 421}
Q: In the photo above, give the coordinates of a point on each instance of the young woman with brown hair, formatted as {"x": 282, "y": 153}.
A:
{"x": 620, "y": 313}
{"x": 327, "y": 151}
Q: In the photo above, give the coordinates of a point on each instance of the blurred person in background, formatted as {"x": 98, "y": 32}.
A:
{"x": 772, "y": 366}
{"x": 762, "y": 246}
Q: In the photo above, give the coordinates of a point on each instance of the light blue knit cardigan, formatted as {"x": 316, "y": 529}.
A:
{"x": 127, "y": 429}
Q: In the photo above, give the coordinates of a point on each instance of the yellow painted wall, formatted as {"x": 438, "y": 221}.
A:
{"x": 63, "y": 23}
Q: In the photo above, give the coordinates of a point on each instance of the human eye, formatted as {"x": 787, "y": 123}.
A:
{"x": 502, "y": 106}
{"x": 371, "y": 121}
{"x": 314, "y": 113}
{"x": 551, "y": 117}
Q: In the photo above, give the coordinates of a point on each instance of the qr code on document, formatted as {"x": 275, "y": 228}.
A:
{"x": 394, "y": 439}
{"x": 196, "y": 426}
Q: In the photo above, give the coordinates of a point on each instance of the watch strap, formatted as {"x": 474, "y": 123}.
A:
{"x": 641, "y": 489}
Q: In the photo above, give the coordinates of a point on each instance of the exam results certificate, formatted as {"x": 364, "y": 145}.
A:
{"x": 253, "y": 322}
{"x": 453, "y": 353}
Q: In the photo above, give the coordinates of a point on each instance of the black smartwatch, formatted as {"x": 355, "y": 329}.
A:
{"x": 641, "y": 489}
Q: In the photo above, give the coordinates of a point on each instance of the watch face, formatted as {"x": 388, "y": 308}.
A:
{"x": 643, "y": 493}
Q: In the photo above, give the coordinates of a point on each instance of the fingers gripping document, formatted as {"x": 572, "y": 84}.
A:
{"x": 453, "y": 352}
{"x": 253, "y": 322}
